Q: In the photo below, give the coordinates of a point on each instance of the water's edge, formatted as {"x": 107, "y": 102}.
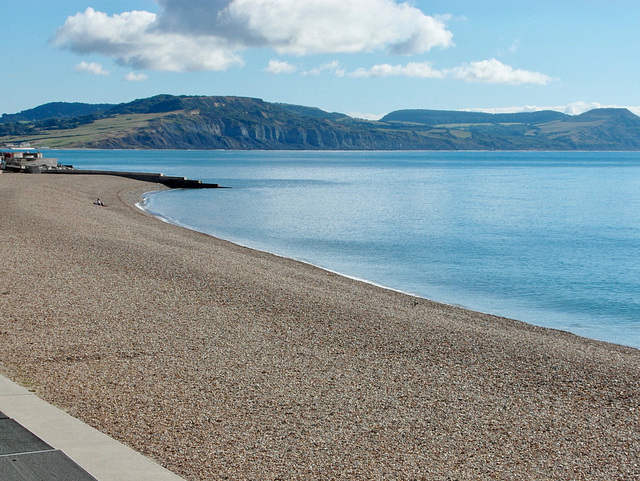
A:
{"x": 142, "y": 206}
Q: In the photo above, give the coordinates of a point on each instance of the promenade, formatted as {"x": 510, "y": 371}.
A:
{"x": 41, "y": 442}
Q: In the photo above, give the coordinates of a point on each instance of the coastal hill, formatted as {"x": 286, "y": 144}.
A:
{"x": 200, "y": 122}
{"x": 56, "y": 110}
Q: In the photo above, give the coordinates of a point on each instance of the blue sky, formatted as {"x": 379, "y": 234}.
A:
{"x": 360, "y": 57}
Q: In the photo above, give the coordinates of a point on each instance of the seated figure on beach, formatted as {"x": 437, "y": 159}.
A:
{"x": 99, "y": 202}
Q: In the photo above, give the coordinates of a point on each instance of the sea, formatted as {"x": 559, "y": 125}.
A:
{"x": 549, "y": 238}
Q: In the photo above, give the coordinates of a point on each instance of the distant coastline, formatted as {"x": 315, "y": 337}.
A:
{"x": 241, "y": 123}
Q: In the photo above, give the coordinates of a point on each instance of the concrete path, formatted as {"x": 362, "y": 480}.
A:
{"x": 39, "y": 441}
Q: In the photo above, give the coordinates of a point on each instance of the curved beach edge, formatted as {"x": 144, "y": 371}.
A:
{"x": 221, "y": 361}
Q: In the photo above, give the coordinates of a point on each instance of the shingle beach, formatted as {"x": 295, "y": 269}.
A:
{"x": 221, "y": 362}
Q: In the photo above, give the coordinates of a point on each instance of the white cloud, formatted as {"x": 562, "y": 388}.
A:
{"x": 487, "y": 71}
{"x": 208, "y": 34}
{"x": 360, "y": 115}
{"x": 332, "y": 67}
{"x": 412, "y": 69}
{"x": 192, "y": 35}
{"x": 335, "y": 26}
{"x": 131, "y": 39}
{"x": 135, "y": 77}
{"x": 276, "y": 67}
{"x": 514, "y": 46}
{"x": 509, "y": 110}
{"x": 495, "y": 72}
{"x": 574, "y": 108}
{"x": 92, "y": 68}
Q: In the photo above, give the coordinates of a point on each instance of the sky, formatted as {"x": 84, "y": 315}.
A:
{"x": 364, "y": 58}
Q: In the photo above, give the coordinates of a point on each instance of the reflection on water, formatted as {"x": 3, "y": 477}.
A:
{"x": 548, "y": 238}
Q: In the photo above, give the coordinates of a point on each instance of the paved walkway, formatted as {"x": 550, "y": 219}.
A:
{"x": 39, "y": 441}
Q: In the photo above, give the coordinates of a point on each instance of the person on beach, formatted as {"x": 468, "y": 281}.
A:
{"x": 99, "y": 202}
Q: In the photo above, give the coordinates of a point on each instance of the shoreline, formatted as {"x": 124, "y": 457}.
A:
{"x": 176, "y": 223}
{"x": 452, "y": 303}
{"x": 219, "y": 360}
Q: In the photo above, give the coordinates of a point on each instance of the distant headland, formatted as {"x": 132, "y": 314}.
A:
{"x": 200, "y": 122}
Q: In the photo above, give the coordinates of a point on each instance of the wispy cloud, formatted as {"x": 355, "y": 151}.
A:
{"x": 277, "y": 67}
{"x": 135, "y": 77}
{"x": 91, "y": 68}
{"x": 412, "y": 69}
{"x": 514, "y": 46}
{"x": 487, "y": 71}
{"x": 332, "y": 67}
{"x": 360, "y": 115}
{"x": 573, "y": 108}
{"x": 493, "y": 71}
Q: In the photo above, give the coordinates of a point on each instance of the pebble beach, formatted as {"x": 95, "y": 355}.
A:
{"x": 221, "y": 362}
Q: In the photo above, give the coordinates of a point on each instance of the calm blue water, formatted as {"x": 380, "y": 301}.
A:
{"x": 548, "y": 238}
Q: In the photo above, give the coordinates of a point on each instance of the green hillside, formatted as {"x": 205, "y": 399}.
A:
{"x": 56, "y": 110}
{"x": 225, "y": 122}
{"x": 447, "y": 117}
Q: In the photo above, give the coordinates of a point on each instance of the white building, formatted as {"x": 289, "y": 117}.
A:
{"x": 22, "y": 161}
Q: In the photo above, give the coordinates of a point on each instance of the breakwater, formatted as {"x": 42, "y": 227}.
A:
{"x": 173, "y": 182}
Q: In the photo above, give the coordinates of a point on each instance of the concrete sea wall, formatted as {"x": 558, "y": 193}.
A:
{"x": 169, "y": 181}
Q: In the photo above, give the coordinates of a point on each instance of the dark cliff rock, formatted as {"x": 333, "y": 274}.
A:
{"x": 207, "y": 132}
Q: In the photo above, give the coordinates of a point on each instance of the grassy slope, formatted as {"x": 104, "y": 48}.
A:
{"x": 100, "y": 129}
{"x": 138, "y": 123}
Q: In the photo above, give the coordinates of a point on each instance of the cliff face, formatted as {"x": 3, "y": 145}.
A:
{"x": 188, "y": 122}
{"x": 207, "y": 132}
